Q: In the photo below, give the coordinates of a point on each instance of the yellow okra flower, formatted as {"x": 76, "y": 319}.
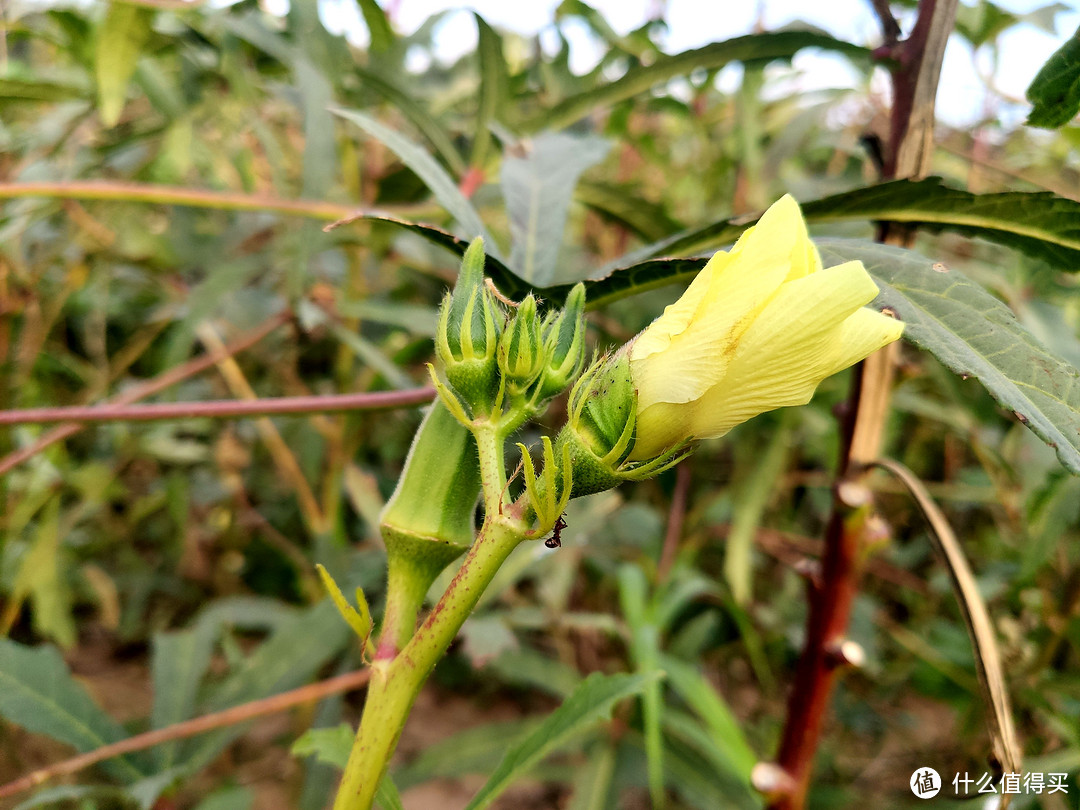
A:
{"x": 758, "y": 328}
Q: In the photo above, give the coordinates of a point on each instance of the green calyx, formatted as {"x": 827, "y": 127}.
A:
{"x": 502, "y": 370}
{"x": 467, "y": 339}
{"x": 549, "y": 492}
{"x": 564, "y": 344}
{"x": 603, "y": 409}
{"x": 521, "y": 351}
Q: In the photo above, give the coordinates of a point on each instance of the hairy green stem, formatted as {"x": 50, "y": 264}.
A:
{"x": 395, "y": 684}
{"x": 489, "y": 445}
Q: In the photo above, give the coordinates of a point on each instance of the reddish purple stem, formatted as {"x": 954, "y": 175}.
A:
{"x": 363, "y": 401}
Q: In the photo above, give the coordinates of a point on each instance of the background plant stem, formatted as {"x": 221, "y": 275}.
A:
{"x": 831, "y": 594}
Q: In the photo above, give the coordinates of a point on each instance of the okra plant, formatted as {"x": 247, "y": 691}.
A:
{"x": 758, "y": 328}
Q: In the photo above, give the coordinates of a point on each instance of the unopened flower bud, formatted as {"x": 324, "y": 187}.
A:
{"x": 521, "y": 352}
{"x": 758, "y": 328}
{"x": 468, "y": 335}
{"x": 564, "y": 344}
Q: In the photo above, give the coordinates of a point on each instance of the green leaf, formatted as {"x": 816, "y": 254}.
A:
{"x": 295, "y": 651}
{"x": 1040, "y": 224}
{"x": 469, "y": 751}
{"x": 407, "y": 105}
{"x": 222, "y": 281}
{"x": 640, "y": 612}
{"x": 1055, "y": 90}
{"x": 507, "y": 281}
{"x": 590, "y": 703}
{"x": 92, "y": 796}
{"x": 592, "y": 782}
{"x": 486, "y": 637}
{"x": 764, "y": 46}
{"x": 637, "y": 278}
{"x": 38, "y": 693}
{"x": 382, "y": 35}
{"x": 681, "y": 729}
{"x": 974, "y": 335}
{"x": 120, "y": 40}
{"x": 329, "y": 745}
{"x": 386, "y": 795}
{"x": 724, "y": 729}
{"x": 372, "y": 356}
{"x": 527, "y": 667}
{"x": 619, "y": 203}
{"x": 178, "y": 664}
{"x": 754, "y": 492}
{"x": 985, "y": 21}
{"x": 494, "y": 88}
{"x": 249, "y": 612}
{"x": 31, "y": 89}
{"x": 230, "y": 798}
{"x": 42, "y": 579}
{"x": 982, "y": 22}
{"x": 146, "y": 792}
{"x": 429, "y": 171}
{"x": 640, "y": 46}
{"x": 320, "y": 152}
{"x": 538, "y": 179}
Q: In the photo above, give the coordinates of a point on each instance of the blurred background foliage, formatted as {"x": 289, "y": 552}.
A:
{"x": 171, "y": 563}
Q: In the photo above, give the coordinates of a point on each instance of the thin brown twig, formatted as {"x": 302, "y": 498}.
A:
{"x": 153, "y": 386}
{"x": 189, "y": 728}
{"x": 221, "y": 408}
{"x": 890, "y": 28}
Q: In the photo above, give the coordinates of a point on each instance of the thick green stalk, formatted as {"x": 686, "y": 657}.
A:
{"x": 394, "y": 685}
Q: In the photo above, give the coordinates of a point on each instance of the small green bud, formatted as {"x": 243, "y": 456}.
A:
{"x": 467, "y": 339}
{"x": 521, "y": 351}
{"x": 564, "y": 344}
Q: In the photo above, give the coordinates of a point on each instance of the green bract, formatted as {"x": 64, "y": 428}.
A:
{"x": 521, "y": 352}
{"x": 470, "y": 322}
{"x": 564, "y": 344}
{"x": 503, "y": 371}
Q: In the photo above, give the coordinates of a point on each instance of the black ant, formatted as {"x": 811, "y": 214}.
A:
{"x": 555, "y": 541}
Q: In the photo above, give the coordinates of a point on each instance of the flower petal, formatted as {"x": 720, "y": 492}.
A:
{"x": 800, "y": 338}
{"x": 791, "y": 377}
{"x": 703, "y": 327}
{"x": 660, "y": 426}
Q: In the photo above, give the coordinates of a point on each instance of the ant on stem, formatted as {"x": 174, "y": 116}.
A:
{"x": 555, "y": 541}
